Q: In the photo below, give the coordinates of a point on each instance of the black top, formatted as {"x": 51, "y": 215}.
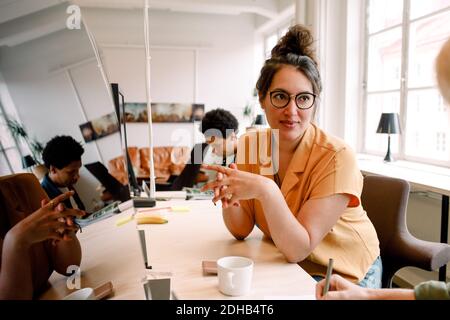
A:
{"x": 111, "y": 184}
{"x": 192, "y": 168}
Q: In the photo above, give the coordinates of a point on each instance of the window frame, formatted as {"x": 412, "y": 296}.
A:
{"x": 3, "y": 150}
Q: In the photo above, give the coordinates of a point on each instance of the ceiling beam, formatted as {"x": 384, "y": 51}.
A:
{"x": 13, "y": 9}
{"x": 265, "y": 8}
{"x": 283, "y": 16}
{"x": 27, "y": 28}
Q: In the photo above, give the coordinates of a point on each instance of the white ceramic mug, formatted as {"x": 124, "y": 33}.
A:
{"x": 235, "y": 275}
{"x": 82, "y": 294}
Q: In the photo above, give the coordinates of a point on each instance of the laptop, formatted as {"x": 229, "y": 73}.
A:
{"x": 111, "y": 184}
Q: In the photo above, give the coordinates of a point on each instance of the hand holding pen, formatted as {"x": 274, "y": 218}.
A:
{"x": 335, "y": 287}
{"x": 326, "y": 287}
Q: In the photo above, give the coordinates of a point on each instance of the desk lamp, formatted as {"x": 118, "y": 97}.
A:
{"x": 390, "y": 124}
{"x": 260, "y": 120}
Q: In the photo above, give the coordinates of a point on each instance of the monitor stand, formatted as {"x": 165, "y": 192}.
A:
{"x": 142, "y": 202}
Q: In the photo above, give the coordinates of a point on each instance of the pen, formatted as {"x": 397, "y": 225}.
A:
{"x": 327, "y": 279}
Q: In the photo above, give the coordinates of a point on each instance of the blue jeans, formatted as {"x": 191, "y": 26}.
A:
{"x": 372, "y": 279}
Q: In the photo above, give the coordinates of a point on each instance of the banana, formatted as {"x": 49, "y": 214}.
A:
{"x": 150, "y": 220}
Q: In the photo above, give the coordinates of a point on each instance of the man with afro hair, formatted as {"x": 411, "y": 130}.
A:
{"x": 220, "y": 129}
{"x": 62, "y": 157}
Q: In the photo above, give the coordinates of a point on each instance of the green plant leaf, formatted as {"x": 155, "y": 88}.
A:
{"x": 16, "y": 129}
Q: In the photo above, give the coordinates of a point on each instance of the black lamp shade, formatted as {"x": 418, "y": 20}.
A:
{"x": 389, "y": 123}
{"x": 260, "y": 120}
{"x": 28, "y": 161}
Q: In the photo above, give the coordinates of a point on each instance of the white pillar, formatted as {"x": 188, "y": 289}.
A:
{"x": 300, "y": 11}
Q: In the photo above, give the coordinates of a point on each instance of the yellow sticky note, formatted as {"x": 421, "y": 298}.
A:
{"x": 180, "y": 209}
{"x": 124, "y": 220}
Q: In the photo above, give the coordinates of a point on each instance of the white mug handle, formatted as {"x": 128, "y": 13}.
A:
{"x": 230, "y": 276}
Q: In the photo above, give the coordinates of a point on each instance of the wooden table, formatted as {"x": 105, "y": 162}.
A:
{"x": 181, "y": 245}
{"x": 110, "y": 253}
{"x": 178, "y": 248}
{"x": 421, "y": 177}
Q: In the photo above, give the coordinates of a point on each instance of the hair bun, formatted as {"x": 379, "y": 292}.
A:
{"x": 298, "y": 40}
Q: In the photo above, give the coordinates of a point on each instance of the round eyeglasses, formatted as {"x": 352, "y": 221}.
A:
{"x": 303, "y": 100}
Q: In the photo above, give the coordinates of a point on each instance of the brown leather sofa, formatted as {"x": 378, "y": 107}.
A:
{"x": 167, "y": 161}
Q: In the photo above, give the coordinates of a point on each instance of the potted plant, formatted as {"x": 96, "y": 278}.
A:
{"x": 19, "y": 132}
{"x": 248, "y": 110}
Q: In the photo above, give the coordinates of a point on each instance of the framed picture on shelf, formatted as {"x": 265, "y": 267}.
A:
{"x": 171, "y": 112}
{"x": 105, "y": 125}
{"x": 136, "y": 112}
{"x": 165, "y": 112}
{"x": 88, "y": 132}
{"x": 100, "y": 127}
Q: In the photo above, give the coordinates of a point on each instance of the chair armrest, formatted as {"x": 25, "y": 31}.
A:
{"x": 407, "y": 250}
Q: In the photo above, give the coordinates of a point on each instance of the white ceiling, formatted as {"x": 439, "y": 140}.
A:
{"x": 12, "y": 9}
{"x": 14, "y": 14}
{"x": 266, "y": 8}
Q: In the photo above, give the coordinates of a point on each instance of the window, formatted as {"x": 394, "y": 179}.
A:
{"x": 10, "y": 148}
{"x": 403, "y": 38}
{"x": 10, "y": 157}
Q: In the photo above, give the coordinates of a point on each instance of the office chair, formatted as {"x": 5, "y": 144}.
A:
{"x": 21, "y": 195}
{"x": 385, "y": 200}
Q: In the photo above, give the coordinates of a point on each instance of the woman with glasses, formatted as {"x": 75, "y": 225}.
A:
{"x": 303, "y": 189}
{"x": 341, "y": 289}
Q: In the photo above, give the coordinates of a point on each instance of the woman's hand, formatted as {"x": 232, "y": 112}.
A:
{"x": 225, "y": 201}
{"x": 232, "y": 185}
{"x": 341, "y": 289}
{"x": 68, "y": 234}
{"x": 51, "y": 221}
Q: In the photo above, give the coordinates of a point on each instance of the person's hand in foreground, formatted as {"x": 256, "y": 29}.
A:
{"x": 342, "y": 289}
{"x": 51, "y": 221}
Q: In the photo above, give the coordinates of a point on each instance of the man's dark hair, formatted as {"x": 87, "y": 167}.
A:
{"x": 219, "y": 120}
{"x": 60, "y": 151}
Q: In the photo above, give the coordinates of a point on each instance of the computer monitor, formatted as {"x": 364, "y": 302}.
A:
{"x": 111, "y": 184}
{"x": 119, "y": 103}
